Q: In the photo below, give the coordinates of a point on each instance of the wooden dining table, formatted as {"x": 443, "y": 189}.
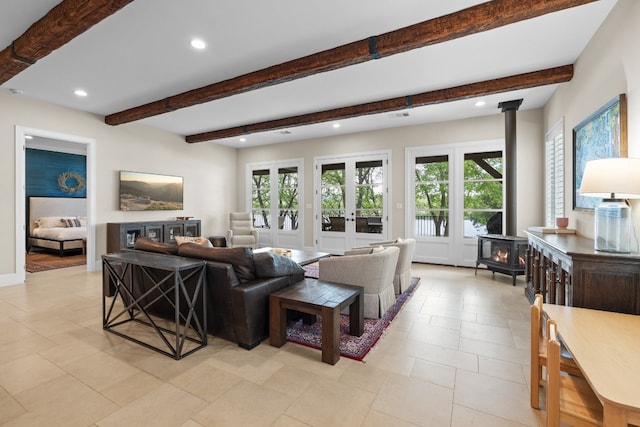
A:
{"x": 606, "y": 347}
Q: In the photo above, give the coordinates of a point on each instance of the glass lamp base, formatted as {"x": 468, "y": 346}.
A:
{"x": 613, "y": 226}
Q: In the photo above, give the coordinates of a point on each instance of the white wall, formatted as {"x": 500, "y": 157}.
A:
{"x": 208, "y": 193}
{"x": 610, "y": 65}
{"x": 530, "y": 151}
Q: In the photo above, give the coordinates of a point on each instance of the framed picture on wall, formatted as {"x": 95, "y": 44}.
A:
{"x": 601, "y": 135}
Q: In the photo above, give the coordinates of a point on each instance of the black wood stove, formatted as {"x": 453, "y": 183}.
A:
{"x": 502, "y": 254}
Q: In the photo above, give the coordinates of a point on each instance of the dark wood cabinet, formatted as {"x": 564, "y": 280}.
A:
{"x": 567, "y": 270}
{"x": 121, "y": 235}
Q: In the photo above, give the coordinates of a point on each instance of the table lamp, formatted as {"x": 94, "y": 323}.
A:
{"x": 613, "y": 179}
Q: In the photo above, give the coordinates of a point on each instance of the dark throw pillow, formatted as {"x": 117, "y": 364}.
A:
{"x": 240, "y": 258}
{"x": 268, "y": 264}
{"x": 148, "y": 245}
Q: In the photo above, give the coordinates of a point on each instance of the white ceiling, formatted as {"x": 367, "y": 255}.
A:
{"x": 142, "y": 54}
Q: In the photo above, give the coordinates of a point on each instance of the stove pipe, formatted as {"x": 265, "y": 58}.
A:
{"x": 509, "y": 109}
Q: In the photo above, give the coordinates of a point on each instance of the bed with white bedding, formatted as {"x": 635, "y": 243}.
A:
{"x": 57, "y": 223}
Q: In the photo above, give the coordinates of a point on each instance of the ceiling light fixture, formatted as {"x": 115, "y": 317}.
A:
{"x": 80, "y": 92}
{"x": 243, "y": 139}
{"x": 198, "y": 44}
{"x": 336, "y": 125}
{"x": 480, "y": 103}
{"x": 28, "y": 137}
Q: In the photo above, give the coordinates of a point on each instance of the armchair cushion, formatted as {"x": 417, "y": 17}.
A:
{"x": 241, "y": 258}
{"x": 268, "y": 264}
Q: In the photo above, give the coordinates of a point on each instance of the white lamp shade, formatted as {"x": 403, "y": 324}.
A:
{"x": 619, "y": 176}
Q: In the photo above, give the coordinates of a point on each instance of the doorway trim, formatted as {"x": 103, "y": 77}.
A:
{"x": 20, "y": 167}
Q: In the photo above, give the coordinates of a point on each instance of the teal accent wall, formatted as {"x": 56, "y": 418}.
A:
{"x": 43, "y": 169}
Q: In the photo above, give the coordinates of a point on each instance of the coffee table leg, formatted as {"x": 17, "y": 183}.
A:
{"x": 330, "y": 335}
{"x": 277, "y": 322}
{"x": 356, "y": 317}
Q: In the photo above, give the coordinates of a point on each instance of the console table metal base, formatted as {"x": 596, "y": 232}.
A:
{"x": 135, "y": 308}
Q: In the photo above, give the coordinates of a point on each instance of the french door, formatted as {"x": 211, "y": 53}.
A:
{"x": 275, "y": 200}
{"x": 455, "y": 193}
{"x": 351, "y": 194}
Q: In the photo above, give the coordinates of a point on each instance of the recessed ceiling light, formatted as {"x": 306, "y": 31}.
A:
{"x": 336, "y": 125}
{"x": 80, "y": 92}
{"x": 28, "y": 137}
{"x": 243, "y": 139}
{"x": 480, "y": 103}
{"x": 198, "y": 44}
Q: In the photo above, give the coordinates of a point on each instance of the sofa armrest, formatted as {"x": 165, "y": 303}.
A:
{"x": 250, "y": 302}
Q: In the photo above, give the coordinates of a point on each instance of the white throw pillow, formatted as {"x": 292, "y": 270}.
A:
{"x": 203, "y": 241}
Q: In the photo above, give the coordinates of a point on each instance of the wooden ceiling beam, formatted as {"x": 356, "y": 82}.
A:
{"x": 60, "y": 25}
{"x": 476, "y": 19}
{"x": 488, "y": 87}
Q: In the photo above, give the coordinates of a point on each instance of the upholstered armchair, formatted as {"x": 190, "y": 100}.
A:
{"x": 402, "y": 275}
{"x": 373, "y": 269}
{"x": 241, "y": 231}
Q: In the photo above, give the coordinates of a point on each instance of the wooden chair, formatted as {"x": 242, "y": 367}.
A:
{"x": 539, "y": 354}
{"x": 570, "y": 399}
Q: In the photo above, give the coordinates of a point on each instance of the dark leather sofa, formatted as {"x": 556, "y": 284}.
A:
{"x": 238, "y": 284}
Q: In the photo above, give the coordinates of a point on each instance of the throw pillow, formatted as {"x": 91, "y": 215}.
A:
{"x": 49, "y": 222}
{"x": 377, "y": 249}
{"x": 71, "y": 222}
{"x": 359, "y": 251}
{"x": 145, "y": 244}
{"x": 202, "y": 241}
{"x": 241, "y": 258}
{"x": 268, "y": 264}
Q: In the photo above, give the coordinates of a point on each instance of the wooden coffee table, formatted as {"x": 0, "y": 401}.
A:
{"x": 318, "y": 297}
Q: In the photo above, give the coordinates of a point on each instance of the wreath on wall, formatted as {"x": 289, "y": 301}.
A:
{"x": 70, "y": 182}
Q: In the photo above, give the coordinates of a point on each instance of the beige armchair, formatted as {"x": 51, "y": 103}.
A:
{"x": 241, "y": 231}
{"x": 402, "y": 276}
{"x": 373, "y": 271}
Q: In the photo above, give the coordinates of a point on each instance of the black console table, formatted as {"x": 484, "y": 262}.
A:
{"x": 167, "y": 275}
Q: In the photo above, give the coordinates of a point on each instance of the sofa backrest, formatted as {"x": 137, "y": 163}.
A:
{"x": 241, "y": 258}
{"x": 148, "y": 245}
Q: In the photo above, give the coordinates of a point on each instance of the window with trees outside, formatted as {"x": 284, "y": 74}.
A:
{"x": 482, "y": 194}
{"x": 369, "y": 192}
{"x": 287, "y": 198}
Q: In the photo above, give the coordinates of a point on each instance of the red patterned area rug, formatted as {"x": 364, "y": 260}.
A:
{"x": 352, "y": 347}
{"x": 39, "y": 261}
{"x": 312, "y": 270}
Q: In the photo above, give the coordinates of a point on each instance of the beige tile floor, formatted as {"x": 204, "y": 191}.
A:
{"x": 456, "y": 355}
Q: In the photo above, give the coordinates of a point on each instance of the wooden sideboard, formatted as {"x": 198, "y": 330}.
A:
{"x": 124, "y": 234}
{"x": 567, "y": 270}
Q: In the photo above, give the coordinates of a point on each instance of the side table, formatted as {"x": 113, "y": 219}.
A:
{"x": 167, "y": 276}
{"x": 318, "y": 297}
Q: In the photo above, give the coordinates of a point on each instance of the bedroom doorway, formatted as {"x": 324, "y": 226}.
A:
{"x": 57, "y": 142}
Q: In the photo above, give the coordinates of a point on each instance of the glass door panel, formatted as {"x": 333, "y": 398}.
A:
{"x": 333, "y": 197}
{"x": 261, "y": 198}
{"x": 483, "y": 193}
{"x": 369, "y": 195}
{"x": 288, "y": 209}
{"x": 432, "y": 196}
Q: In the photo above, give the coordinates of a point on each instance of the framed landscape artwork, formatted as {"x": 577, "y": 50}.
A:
{"x": 601, "y": 135}
{"x": 141, "y": 191}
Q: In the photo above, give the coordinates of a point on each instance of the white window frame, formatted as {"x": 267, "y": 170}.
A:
{"x": 554, "y": 173}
